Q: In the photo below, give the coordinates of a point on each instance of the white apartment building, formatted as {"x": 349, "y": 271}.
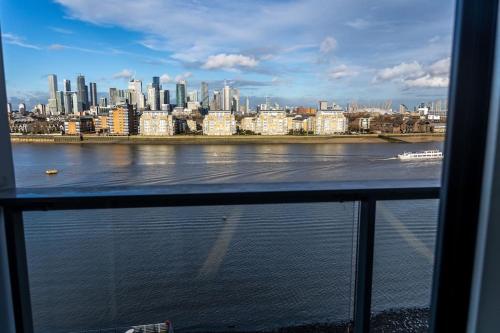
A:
{"x": 158, "y": 123}
{"x": 219, "y": 123}
{"x": 330, "y": 122}
{"x": 271, "y": 122}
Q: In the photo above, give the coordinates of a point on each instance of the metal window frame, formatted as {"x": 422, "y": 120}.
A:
{"x": 465, "y": 149}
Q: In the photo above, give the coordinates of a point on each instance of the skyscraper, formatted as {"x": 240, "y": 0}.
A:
{"x": 60, "y": 102}
{"x": 205, "y": 99}
{"x": 52, "y": 86}
{"x": 226, "y": 105}
{"x": 164, "y": 97}
{"x": 180, "y": 93}
{"x": 152, "y": 98}
{"x": 93, "y": 93}
{"x": 113, "y": 94}
{"x": 68, "y": 102}
{"x": 67, "y": 85}
{"x": 82, "y": 92}
{"x": 77, "y": 105}
{"x": 156, "y": 82}
{"x": 156, "y": 85}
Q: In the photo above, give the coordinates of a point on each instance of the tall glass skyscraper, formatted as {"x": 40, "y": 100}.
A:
{"x": 82, "y": 92}
{"x": 93, "y": 93}
{"x": 205, "y": 99}
{"x": 52, "y": 86}
{"x": 67, "y": 85}
{"x": 180, "y": 93}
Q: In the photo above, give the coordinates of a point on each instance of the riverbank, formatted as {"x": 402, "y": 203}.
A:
{"x": 235, "y": 139}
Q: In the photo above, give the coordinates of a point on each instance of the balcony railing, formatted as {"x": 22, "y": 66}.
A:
{"x": 366, "y": 193}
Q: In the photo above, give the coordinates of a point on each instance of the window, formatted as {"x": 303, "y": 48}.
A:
{"x": 291, "y": 218}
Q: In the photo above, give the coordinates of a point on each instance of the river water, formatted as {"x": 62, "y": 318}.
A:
{"x": 238, "y": 268}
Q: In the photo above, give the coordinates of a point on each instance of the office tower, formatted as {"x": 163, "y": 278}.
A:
{"x": 9, "y": 107}
{"x": 216, "y": 103}
{"x": 86, "y": 105}
{"x": 226, "y": 105}
{"x": 164, "y": 97}
{"x": 82, "y": 92}
{"x": 22, "y": 107}
{"x": 60, "y": 102}
{"x": 67, "y": 85}
{"x": 156, "y": 82}
{"x": 192, "y": 96}
{"x": 205, "y": 99}
{"x": 152, "y": 94}
{"x": 52, "y": 86}
{"x": 247, "y": 105}
{"x": 135, "y": 85}
{"x": 235, "y": 100}
{"x": 180, "y": 93}
{"x": 113, "y": 94}
{"x": 77, "y": 105}
{"x": 103, "y": 102}
{"x": 93, "y": 93}
{"x": 68, "y": 102}
{"x": 157, "y": 86}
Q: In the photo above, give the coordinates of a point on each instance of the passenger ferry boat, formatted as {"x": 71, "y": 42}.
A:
{"x": 423, "y": 155}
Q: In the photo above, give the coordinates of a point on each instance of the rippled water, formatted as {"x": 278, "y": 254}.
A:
{"x": 219, "y": 268}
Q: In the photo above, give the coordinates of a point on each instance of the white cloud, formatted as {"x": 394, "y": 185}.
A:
{"x": 327, "y": 45}
{"x": 229, "y": 61}
{"x": 123, "y": 74}
{"x": 61, "y": 30}
{"x": 19, "y": 41}
{"x": 441, "y": 67}
{"x": 416, "y": 75}
{"x": 341, "y": 72}
{"x": 165, "y": 78}
{"x": 183, "y": 76}
{"x": 358, "y": 23}
{"x": 403, "y": 70}
{"x": 428, "y": 81}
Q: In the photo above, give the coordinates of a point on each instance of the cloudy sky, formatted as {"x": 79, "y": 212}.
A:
{"x": 297, "y": 50}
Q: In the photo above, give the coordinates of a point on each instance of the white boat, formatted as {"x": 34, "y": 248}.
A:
{"x": 422, "y": 155}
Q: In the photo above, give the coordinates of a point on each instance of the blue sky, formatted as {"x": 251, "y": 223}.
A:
{"x": 297, "y": 50}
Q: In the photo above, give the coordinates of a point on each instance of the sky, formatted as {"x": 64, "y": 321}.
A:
{"x": 296, "y": 51}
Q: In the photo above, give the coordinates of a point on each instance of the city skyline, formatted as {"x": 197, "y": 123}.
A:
{"x": 389, "y": 51}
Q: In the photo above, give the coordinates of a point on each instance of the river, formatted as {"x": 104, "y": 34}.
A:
{"x": 238, "y": 268}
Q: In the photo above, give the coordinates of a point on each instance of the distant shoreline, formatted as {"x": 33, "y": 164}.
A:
{"x": 228, "y": 140}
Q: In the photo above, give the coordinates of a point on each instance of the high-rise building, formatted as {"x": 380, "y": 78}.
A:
{"x": 82, "y": 92}
{"x": 164, "y": 97}
{"x": 67, "y": 85}
{"x": 226, "y": 98}
{"x": 60, "y": 102}
{"x": 235, "y": 100}
{"x": 93, "y": 93}
{"x": 122, "y": 120}
{"x": 216, "y": 103}
{"x": 113, "y": 94}
{"x": 68, "y": 102}
{"x": 323, "y": 105}
{"x": 153, "y": 98}
{"x": 192, "y": 96}
{"x": 103, "y": 102}
{"x": 156, "y": 82}
{"x": 52, "y": 86}
{"x": 22, "y": 107}
{"x": 205, "y": 99}
{"x": 157, "y": 86}
{"x": 247, "y": 105}
{"x": 77, "y": 104}
{"x": 180, "y": 93}
{"x": 9, "y": 107}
